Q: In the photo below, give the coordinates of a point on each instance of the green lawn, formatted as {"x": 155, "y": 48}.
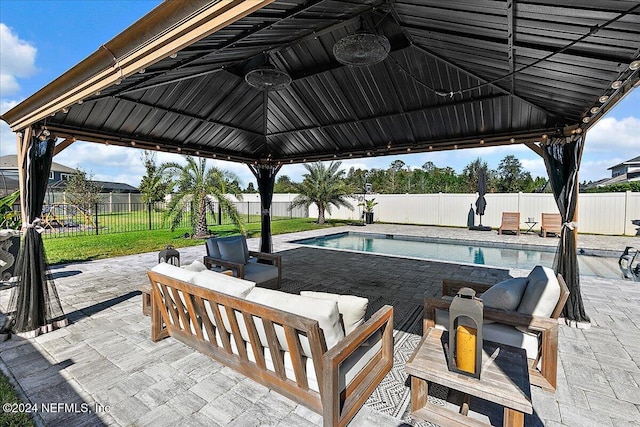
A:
{"x": 91, "y": 247}
{"x": 8, "y": 396}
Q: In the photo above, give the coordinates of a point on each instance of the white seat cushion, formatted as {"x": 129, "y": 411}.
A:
{"x": 324, "y": 311}
{"x": 174, "y": 272}
{"x": 542, "y": 293}
{"x": 222, "y": 283}
{"x": 505, "y": 295}
{"x": 351, "y": 307}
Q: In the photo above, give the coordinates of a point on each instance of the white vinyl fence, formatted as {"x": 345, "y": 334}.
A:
{"x": 598, "y": 213}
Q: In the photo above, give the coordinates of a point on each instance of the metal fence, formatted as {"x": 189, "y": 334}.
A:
{"x": 63, "y": 219}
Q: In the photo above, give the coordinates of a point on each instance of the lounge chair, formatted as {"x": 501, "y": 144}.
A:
{"x": 231, "y": 253}
{"x": 521, "y": 312}
{"x": 510, "y": 222}
{"x": 551, "y": 223}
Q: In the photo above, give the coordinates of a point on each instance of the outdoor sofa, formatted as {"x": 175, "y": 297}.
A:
{"x": 316, "y": 349}
{"x": 521, "y": 312}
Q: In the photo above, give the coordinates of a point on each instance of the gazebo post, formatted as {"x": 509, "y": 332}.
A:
{"x": 266, "y": 177}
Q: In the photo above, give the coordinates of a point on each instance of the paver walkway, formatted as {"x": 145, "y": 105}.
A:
{"x": 105, "y": 360}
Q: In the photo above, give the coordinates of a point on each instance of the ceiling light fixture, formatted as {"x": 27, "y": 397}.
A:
{"x": 603, "y": 99}
{"x": 617, "y": 84}
{"x": 268, "y": 78}
{"x": 173, "y": 56}
{"x": 361, "y": 49}
{"x": 634, "y": 65}
{"x": 595, "y": 110}
{"x": 586, "y": 119}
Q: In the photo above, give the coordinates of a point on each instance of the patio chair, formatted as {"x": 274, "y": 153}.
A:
{"x": 551, "y": 223}
{"x": 520, "y": 312}
{"x": 232, "y": 253}
{"x": 510, "y": 222}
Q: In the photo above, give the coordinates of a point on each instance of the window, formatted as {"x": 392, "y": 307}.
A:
{"x": 64, "y": 177}
{"x": 51, "y": 175}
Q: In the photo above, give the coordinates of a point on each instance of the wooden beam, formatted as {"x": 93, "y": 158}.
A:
{"x": 535, "y": 148}
{"x": 23, "y": 141}
{"x": 61, "y": 146}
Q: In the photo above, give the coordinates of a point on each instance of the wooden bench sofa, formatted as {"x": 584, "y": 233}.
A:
{"x": 303, "y": 357}
{"x": 527, "y": 318}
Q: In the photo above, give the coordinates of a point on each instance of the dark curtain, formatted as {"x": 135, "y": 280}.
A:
{"x": 266, "y": 177}
{"x": 562, "y": 159}
{"x": 34, "y": 301}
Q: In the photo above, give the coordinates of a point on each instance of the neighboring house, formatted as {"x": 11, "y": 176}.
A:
{"x": 621, "y": 173}
{"x": 57, "y": 178}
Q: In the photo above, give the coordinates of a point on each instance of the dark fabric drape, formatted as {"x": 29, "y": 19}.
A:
{"x": 34, "y": 301}
{"x": 266, "y": 177}
{"x": 562, "y": 160}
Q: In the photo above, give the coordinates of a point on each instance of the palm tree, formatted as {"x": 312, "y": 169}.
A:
{"x": 194, "y": 184}
{"x": 324, "y": 186}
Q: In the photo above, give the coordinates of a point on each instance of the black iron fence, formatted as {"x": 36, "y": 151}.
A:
{"x": 63, "y": 219}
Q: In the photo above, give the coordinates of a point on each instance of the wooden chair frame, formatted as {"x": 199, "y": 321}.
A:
{"x": 510, "y": 222}
{"x": 551, "y": 223}
{"x": 189, "y": 320}
{"x": 546, "y": 328}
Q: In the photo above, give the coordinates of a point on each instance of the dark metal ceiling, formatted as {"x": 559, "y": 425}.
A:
{"x": 454, "y": 79}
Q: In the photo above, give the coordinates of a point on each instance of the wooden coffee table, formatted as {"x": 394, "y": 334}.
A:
{"x": 504, "y": 380}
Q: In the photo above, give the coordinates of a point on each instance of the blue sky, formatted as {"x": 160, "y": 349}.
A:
{"x": 40, "y": 40}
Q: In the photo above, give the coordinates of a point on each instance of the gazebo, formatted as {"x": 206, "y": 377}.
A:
{"x": 274, "y": 82}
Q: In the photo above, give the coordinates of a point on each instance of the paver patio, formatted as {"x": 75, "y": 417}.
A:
{"x": 105, "y": 363}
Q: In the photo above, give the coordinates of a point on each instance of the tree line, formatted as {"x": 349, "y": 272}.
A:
{"x": 399, "y": 178}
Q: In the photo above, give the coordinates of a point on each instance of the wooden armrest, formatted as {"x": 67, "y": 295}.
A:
{"x": 339, "y": 406}
{"x": 276, "y": 259}
{"x": 451, "y": 287}
{"x": 237, "y": 267}
{"x": 535, "y": 323}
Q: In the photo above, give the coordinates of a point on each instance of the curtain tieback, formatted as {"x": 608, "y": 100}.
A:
{"x": 570, "y": 225}
{"x": 35, "y": 225}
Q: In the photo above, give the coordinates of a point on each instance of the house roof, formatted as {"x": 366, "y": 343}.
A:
{"x": 105, "y": 186}
{"x": 458, "y": 75}
{"x": 11, "y": 162}
{"x": 634, "y": 161}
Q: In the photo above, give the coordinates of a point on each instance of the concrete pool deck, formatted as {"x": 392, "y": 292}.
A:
{"x": 105, "y": 358}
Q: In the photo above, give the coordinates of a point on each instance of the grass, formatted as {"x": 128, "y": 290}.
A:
{"x": 9, "y": 396}
{"x": 92, "y": 247}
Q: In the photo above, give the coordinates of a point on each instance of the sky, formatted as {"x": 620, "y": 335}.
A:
{"x": 37, "y": 48}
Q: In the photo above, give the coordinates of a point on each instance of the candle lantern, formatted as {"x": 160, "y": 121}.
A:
{"x": 170, "y": 256}
{"x": 465, "y": 333}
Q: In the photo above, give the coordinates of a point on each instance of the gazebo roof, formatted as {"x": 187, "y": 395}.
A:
{"x": 459, "y": 74}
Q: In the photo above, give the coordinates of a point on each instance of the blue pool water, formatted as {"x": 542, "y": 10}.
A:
{"x": 471, "y": 253}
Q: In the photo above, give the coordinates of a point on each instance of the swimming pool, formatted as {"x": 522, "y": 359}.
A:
{"x": 459, "y": 251}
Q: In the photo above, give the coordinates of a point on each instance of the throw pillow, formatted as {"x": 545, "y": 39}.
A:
{"x": 505, "y": 295}
{"x": 196, "y": 266}
{"x": 324, "y": 311}
{"x": 542, "y": 293}
{"x": 232, "y": 250}
{"x": 351, "y": 307}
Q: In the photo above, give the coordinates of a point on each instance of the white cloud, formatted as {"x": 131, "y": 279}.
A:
{"x": 610, "y": 135}
{"x": 17, "y": 59}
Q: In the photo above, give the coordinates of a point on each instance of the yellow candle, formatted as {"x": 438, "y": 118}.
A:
{"x": 466, "y": 349}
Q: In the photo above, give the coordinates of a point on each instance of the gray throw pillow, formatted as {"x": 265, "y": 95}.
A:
{"x": 232, "y": 250}
{"x": 505, "y": 295}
